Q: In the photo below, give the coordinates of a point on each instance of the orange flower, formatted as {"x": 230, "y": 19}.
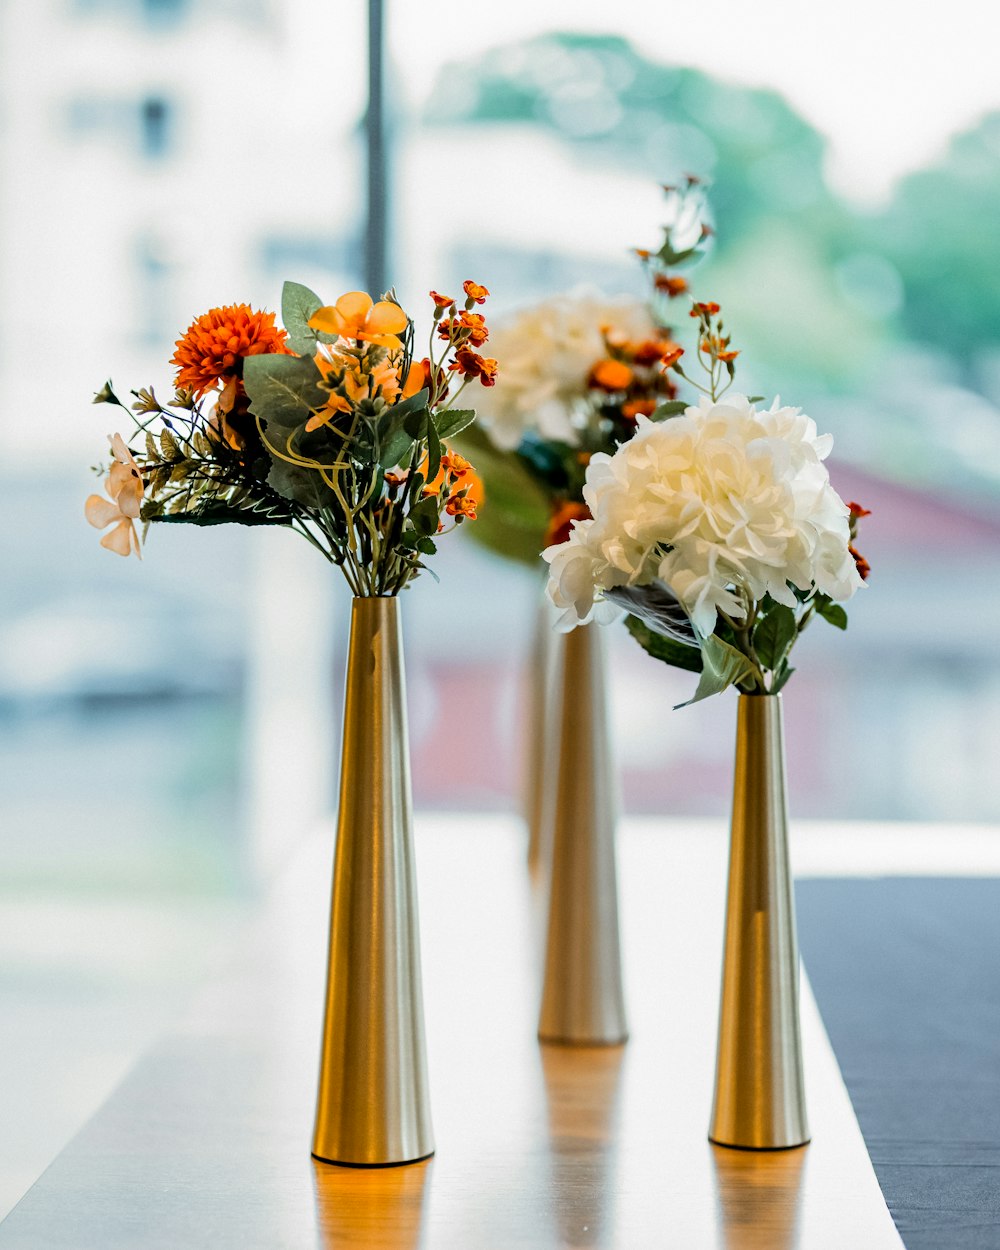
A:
{"x": 672, "y": 356}
{"x": 643, "y": 253}
{"x": 727, "y": 355}
{"x": 561, "y": 522}
{"x": 856, "y": 510}
{"x": 610, "y": 375}
{"x": 638, "y": 407}
{"x": 468, "y": 327}
{"x": 862, "y": 565}
{"x": 461, "y": 507}
{"x": 704, "y": 310}
{"x": 213, "y": 345}
{"x": 455, "y": 464}
{"x": 476, "y": 293}
{"x": 355, "y": 316}
{"x": 670, "y": 286}
{"x": 456, "y": 475}
{"x": 441, "y": 301}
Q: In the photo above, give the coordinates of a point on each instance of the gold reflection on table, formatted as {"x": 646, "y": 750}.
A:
{"x": 758, "y": 1193}
{"x": 380, "y": 1208}
{"x": 582, "y": 1087}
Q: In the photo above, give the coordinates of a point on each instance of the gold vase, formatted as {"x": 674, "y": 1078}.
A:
{"x": 759, "y": 1090}
{"x": 373, "y": 1107}
{"x": 537, "y": 738}
{"x": 582, "y": 996}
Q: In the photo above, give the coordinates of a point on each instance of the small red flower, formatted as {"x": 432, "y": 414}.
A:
{"x": 670, "y": 286}
{"x": 705, "y": 310}
{"x": 863, "y": 567}
{"x": 441, "y": 301}
{"x": 671, "y": 356}
{"x": 471, "y": 365}
{"x": 856, "y": 510}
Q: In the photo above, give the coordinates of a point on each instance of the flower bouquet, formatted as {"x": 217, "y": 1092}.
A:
{"x": 720, "y": 534}
{"x": 331, "y": 428}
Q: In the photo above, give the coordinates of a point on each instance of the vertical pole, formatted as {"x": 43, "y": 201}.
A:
{"x": 375, "y": 150}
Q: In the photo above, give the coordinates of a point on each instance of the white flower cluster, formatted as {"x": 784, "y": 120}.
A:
{"x": 719, "y": 500}
{"x": 545, "y": 354}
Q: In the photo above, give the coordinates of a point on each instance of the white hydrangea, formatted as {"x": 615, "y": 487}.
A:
{"x": 721, "y": 497}
{"x": 545, "y": 354}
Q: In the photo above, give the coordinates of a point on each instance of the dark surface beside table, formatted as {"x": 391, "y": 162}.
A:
{"x": 906, "y": 972}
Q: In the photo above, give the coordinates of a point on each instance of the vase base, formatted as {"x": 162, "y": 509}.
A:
{"x": 580, "y": 1043}
{"x": 728, "y": 1145}
{"x": 396, "y": 1163}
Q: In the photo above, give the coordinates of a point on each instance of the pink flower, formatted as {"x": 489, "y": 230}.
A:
{"x": 124, "y": 485}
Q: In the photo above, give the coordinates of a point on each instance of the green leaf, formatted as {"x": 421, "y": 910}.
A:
{"x": 413, "y": 404}
{"x": 773, "y": 635}
{"x": 832, "y": 612}
{"x": 433, "y": 449}
{"x": 660, "y": 647}
{"x": 423, "y": 516}
{"x": 516, "y": 515}
{"x": 222, "y": 514}
{"x": 673, "y": 408}
{"x": 781, "y": 677}
{"x": 722, "y": 667}
{"x": 420, "y": 425}
{"x": 283, "y": 390}
{"x": 755, "y": 399}
{"x": 454, "y": 421}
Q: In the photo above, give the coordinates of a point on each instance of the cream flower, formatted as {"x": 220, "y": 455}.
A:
{"x": 545, "y": 354}
{"x": 124, "y": 486}
{"x": 721, "y": 502}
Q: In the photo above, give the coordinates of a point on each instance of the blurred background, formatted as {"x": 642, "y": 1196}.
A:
{"x": 168, "y": 729}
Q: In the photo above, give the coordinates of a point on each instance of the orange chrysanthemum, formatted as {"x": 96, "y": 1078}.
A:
{"x": 610, "y": 375}
{"x": 561, "y": 521}
{"x": 214, "y": 344}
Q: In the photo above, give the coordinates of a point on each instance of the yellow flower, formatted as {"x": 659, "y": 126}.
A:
{"x": 355, "y": 316}
{"x": 124, "y": 485}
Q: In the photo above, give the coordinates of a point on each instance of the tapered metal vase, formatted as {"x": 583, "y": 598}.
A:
{"x": 373, "y": 1107}
{"x": 537, "y": 739}
{"x": 759, "y": 1089}
{"x": 582, "y": 996}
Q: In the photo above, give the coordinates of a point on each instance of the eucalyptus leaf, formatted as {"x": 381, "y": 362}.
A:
{"x": 660, "y": 647}
{"x": 283, "y": 390}
{"x": 722, "y": 667}
{"x": 773, "y": 635}
{"x": 303, "y": 485}
{"x": 298, "y": 304}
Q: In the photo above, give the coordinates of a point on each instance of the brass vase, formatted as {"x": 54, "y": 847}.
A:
{"x": 373, "y": 1107}
{"x": 759, "y": 1089}
{"x": 537, "y": 739}
{"x": 582, "y": 995}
